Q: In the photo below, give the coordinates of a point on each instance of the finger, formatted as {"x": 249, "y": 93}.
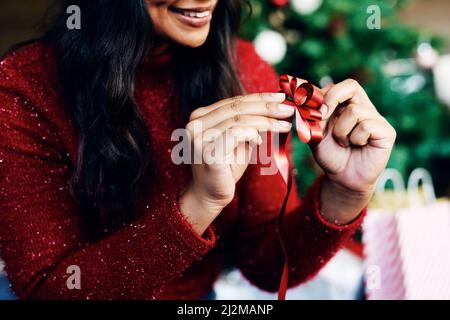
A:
{"x": 327, "y": 88}
{"x": 346, "y": 122}
{"x": 238, "y": 135}
{"x": 324, "y": 109}
{"x": 267, "y": 109}
{"x": 219, "y": 151}
{"x": 346, "y": 91}
{"x": 255, "y": 97}
{"x": 260, "y": 123}
{"x": 361, "y": 134}
{"x": 376, "y": 132}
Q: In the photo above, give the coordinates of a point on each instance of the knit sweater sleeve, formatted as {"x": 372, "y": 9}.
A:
{"x": 41, "y": 234}
{"x": 311, "y": 241}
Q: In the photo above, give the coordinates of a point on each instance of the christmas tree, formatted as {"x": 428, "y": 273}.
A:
{"x": 331, "y": 40}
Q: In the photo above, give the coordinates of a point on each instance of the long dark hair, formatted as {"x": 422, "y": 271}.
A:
{"x": 97, "y": 67}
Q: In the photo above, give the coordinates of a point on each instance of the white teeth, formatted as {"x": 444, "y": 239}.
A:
{"x": 195, "y": 14}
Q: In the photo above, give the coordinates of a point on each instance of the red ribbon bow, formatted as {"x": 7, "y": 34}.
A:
{"x": 307, "y": 100}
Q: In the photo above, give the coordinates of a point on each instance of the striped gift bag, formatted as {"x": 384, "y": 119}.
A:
{"x": 407, "y": 250}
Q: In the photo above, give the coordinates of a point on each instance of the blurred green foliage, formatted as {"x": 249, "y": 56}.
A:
{"x": 334, "y": 41}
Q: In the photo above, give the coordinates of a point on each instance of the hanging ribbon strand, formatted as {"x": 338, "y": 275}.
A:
{"x": 307, "y": 100}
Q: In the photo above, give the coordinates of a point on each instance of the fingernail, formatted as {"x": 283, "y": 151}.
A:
{"x": 324, "y": 111}
{"x": 284, "y": 124}
{"x": 278, "y": 95}
{"x": 284, "y": 108}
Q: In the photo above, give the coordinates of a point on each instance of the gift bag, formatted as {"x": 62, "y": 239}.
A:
{"x": 407, "y": 249}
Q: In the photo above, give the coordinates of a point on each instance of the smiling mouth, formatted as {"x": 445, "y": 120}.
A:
{"x": 193, "y": 17}
{"x": 199, "y": 13}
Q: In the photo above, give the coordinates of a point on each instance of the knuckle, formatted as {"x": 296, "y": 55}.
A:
{"x": 352, "y": 82}
{"x": 329, "y": 98}
{"x": 365, "y": 126}
{"x": 235, "y": 106}
{"x": 237, "y": 118}
{"x": 353, "y": 110}
{"x": 393, "y": 132}
{"x": 195, "y": 114}
{"x": 356, "y": 85}
{"x": 271, "y": 107}
{"x": 237, "y": 98}
{"x": 190, "y": 126}
{"x": 339, "y": 133}
{"x": 357, "y": 140}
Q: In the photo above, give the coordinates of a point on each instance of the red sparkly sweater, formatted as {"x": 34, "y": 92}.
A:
{"x": 158, "y": 255}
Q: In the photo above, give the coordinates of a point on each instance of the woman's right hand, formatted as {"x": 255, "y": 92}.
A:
{"x": 223, "y": 136}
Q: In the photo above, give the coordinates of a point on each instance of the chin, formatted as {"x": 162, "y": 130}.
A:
{"x": 192, "y": 41}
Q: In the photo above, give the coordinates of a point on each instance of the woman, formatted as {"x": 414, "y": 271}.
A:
{"x": 93, "y": 207}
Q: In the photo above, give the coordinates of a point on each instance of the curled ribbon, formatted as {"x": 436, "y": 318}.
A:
{"x": 307, "y": 100}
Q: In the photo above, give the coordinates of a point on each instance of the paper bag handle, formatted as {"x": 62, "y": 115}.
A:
{"x": 420, "y": 175}
{"x": 391, "y": 175}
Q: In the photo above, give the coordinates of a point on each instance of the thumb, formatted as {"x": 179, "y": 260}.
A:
{"x": 324, "y": 109}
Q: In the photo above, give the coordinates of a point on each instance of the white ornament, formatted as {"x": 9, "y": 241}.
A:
{"x": 441, "y": 72}
{"x": 271, "y": 46}
{"x": 305, "y": 6}
{"x": 326, "y": 81}
{"x": 426, "y": 55}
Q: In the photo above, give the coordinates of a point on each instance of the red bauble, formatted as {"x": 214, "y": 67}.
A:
{"x": 280, "y": 3}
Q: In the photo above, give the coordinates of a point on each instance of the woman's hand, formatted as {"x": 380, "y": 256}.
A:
{"x": 355, "y": 150}
{"x": 223, "y": 136}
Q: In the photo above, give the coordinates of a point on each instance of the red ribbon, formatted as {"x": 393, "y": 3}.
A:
{"x": 307, "y": 100}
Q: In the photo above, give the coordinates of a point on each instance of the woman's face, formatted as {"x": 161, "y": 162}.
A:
{"x": 186, "y": 22}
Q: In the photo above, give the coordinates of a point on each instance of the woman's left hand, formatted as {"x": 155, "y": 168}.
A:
{"x": 355, "y": 150}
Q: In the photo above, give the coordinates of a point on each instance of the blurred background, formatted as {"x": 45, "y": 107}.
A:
{"x": 324, "y": 41}
{"x": 403, "y": 62}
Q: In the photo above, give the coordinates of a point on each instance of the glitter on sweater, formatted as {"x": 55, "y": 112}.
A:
{"x": 159, "y": 256}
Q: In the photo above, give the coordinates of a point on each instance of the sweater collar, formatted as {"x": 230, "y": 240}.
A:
{"x": 160, "y": 61}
